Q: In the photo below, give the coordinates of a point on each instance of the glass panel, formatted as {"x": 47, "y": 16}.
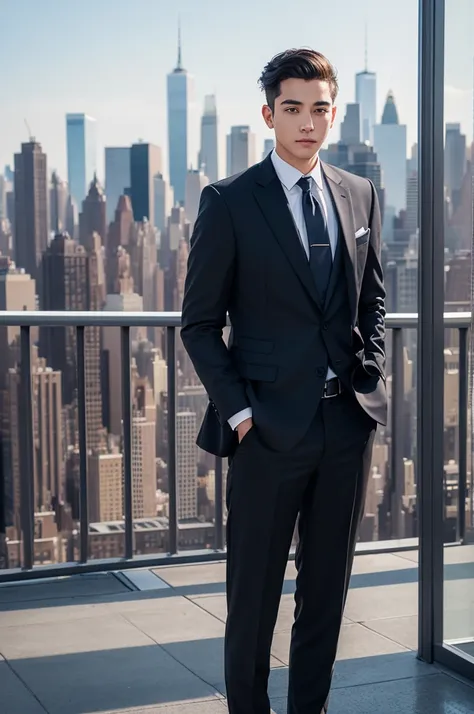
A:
{"x": 109, "y": 224}
{"x": 458, "y": 181}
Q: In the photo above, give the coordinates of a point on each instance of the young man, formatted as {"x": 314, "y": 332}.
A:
{"x": 290, "y": 249}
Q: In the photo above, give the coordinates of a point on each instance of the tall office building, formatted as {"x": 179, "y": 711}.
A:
{"x": 144, "y": 451}
{"x": 6, "y": 187}
{"x": 93, "y": 218}
{"x": 48, "y": 467}
{"x": 209, "y": 154}
{"x": 390, "y": 143}
{"x": 455, "y": 159}
{"x": 105, "y": 487}
{"x": 195, "y": 182}
{"x": 186, "y": 466}
{"x": 111, "y": 342}
{"x": 145, "y": 163}
{"x": 366, "y": 98}
{"x": 350, "y": 126}
{"x": 3, "y": 197}
{"x": 31, "y": 207}
{"x": 411, "y": 221}
{"x": 268, "y": 146}
{"x": 241, "y": 145}
{"x": 180, "y": 98}
{"x": 71, "y": 282}
{"x": 58, "y": 204}
{"x": 117, "y": 176}
{"x": 81, "y": 154}
{"x": 17, "y": 292}
{"x": 164, "y": 199}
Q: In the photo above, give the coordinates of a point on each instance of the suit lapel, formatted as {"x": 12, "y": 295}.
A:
{"x": 343, "y": 204}
{"x": 272, "y": 201}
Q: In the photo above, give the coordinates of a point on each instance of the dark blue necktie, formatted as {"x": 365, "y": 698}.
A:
{"x": 320, "y": 256}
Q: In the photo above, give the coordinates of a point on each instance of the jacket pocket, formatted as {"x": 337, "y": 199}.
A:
{"x": 363, "y": 239}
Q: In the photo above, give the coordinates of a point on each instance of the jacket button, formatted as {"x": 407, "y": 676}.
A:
{"x": 321, "y": 371}
{"x": 325, "y": 326}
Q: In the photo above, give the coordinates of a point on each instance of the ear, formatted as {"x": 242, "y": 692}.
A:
{"x": 333, "y": 116}
{"x": 267, "y": 115}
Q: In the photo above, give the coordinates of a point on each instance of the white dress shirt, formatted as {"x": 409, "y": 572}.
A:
{"x": 289, "y": 176}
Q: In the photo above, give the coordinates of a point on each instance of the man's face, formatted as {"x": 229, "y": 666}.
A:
{"x": 303, "y": 115}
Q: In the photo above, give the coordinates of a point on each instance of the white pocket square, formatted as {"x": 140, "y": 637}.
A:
{"x": 361, "y": 232}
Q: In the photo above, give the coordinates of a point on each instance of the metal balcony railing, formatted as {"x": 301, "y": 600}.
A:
{"x": 170, "y": 321}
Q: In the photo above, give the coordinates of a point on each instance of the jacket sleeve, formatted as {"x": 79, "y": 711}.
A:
{"x": 207, "y": 293}
{"x": 372, "y": 297}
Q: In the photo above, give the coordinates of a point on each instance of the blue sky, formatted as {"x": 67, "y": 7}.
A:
{"x": 109, "y": 58}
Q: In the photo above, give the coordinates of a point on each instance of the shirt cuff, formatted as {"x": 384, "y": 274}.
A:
{"x": 238, "y": 418}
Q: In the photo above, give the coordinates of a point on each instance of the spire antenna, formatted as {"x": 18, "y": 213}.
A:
{"x": 180, "y": 65}
{"x": 366, "y": 49}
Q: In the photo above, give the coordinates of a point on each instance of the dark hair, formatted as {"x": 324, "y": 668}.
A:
{"x": 299, "y": 64}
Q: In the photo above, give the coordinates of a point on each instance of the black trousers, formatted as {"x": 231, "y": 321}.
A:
{"x": 323, "y": 480}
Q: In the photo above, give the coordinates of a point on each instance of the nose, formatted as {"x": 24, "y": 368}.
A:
{"x": 308, "y": 124}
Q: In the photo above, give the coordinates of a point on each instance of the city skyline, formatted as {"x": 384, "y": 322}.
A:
{"x": 126, "y": 92}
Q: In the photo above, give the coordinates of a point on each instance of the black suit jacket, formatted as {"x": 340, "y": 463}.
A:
{"x": 246, "y": 259}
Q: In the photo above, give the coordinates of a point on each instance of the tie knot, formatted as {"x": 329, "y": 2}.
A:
{"x": 304, "y": 183}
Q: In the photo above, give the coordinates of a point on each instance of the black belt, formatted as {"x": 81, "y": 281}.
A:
{"x": 332, "y": 388}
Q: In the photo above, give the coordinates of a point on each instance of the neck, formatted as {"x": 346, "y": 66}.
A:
{"x": 303, "y": 165}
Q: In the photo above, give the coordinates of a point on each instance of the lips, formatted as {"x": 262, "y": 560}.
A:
{"x": 305, "y": 141}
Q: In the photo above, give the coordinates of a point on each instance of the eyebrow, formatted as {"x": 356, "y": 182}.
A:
{"x": 298, "y": 103}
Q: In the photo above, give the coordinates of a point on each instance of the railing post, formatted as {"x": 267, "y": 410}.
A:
{"x": 397, "y": 470}
{"x": 26, "y": 441}
{"x": 218, "y": 501}
{"x": 430, "y": 327}
{"x": 83, "y": 455}
{"x": 463, "y": 407}
{"x": 127, "y": 439}
{"x": 172, "y": 475}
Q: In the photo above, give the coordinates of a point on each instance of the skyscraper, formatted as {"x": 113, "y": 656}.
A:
{"x": 163, "y": 199}
{"x": 70, "y": 282}
{"x": 31, "y": 207}
{"x": 93, "y": 218}
{"x": 81, "y": 154}
{"x": 350, "y": 126}
{"x": 58, "y": 203}
{"x": 208, "y": 156}
{"x": 390, "y": 143}
{"x": 48, "y": 462}
{"x": 143, "y": 451}
{"x": 17, "y": 292}
{"x": 240, "y": 149}
{"x": 105, "y": 496}
{"x": 366, "y": 98}
{"x": 145, "y": 163}
{"x": 454, "y": 161}
{"x": 180, "y": 97}
{"x": 186, "y": 466}
{"x": 117, "y": 176}
{"x": 195, "y": 182}
{"x": 268, "y": 146}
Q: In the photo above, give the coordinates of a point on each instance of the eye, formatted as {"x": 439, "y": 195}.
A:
{"x": 292, "y": 110}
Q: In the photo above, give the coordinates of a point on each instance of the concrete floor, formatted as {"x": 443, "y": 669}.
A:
{"x": 152, "y": 641}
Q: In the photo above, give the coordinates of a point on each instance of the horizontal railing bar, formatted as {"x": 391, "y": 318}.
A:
{"x": 69, "y": 318}
{"x": 194, "y": 557}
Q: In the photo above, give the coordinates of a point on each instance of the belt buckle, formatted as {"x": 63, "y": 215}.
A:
{"x": 331, "y": 396}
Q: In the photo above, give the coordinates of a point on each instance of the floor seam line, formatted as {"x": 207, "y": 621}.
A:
{"x": 20, "y": 679}
{"x": 163, "y": 647}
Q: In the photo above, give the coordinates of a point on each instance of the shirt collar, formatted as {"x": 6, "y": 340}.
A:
{"x": 289, "y": 176}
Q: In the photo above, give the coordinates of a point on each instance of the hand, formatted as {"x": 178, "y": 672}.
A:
{"x": 244, "y": 427}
